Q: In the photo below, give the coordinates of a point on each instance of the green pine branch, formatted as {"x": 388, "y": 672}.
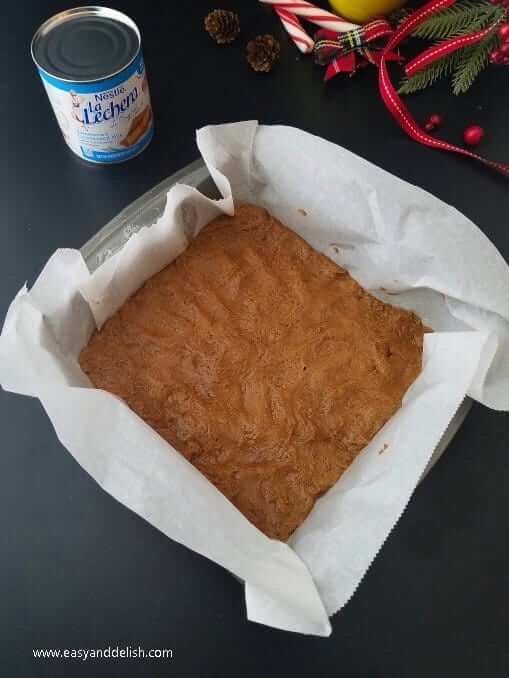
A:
{"x": 422, "y": 79}
{"x": 464, "y": 18}
{"x": 472, "y": 61}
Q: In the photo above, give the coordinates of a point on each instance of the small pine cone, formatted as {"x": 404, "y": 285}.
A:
{"x": 262, "y": 52}
{"x": 222, "y": 26}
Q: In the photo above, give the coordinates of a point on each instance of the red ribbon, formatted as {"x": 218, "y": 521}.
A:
{"x": 391, "y": 98}
{"x": 437, "y": 52}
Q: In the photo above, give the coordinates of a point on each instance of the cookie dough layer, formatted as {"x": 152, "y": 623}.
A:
{"x": 260, "y": 360}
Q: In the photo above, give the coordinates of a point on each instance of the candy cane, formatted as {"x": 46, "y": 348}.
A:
{"x": 315, "y": 15}
{"x": 295, "y": 30}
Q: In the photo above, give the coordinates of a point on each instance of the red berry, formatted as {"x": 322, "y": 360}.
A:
{"x": 436, "y": 120}
{"x": 504, "y": 50}
{"x": 503, "y": 32}
{"x": 473, "y": 135}
{"x": 496, "y": 56}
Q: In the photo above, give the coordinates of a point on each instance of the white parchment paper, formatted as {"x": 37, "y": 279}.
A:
{"x": 400, "y": 242}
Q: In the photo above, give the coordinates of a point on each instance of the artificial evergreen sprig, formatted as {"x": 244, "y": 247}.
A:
{"x": 464, "y": 18}
{"x": 428, "y": 76}
{"x": 471, "y": 62}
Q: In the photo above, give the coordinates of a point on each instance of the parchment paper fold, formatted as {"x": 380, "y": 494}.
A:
{"x": 398, "y": 241}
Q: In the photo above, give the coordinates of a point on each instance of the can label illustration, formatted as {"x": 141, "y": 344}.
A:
{"x": 103, "y": 119}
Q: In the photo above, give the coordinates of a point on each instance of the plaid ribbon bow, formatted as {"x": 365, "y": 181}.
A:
{"x": 339, "y": 50}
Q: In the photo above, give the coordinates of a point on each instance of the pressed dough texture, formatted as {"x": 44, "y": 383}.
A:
{"x": 260, "y": 360}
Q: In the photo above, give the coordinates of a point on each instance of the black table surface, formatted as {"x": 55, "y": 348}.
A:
{"x": 78, "y": 570}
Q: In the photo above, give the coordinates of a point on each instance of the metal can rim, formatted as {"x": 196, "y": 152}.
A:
{"x": 93, "y": 10}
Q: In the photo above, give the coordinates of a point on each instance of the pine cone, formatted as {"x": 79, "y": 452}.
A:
{"x": 222, "y": 26}
{"x": 262, "y": 52}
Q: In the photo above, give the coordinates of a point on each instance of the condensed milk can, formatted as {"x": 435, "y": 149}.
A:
{"x": 91, "y": 65}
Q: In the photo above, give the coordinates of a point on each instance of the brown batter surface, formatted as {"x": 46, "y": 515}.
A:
{"x": 260, "y": 360}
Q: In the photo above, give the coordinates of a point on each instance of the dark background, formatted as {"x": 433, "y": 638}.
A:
{"x": 80, "y": 570}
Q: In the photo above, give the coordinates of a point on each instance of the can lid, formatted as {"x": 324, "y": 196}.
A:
{"x": 85, "y": 44}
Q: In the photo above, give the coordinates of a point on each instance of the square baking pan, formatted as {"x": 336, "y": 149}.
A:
{"x": 147, "y": 209}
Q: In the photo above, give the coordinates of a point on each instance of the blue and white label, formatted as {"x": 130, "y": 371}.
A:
{"x": 106, "y": 121}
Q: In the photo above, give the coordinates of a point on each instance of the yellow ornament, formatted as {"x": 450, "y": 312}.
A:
{"x": 361, "y": 11}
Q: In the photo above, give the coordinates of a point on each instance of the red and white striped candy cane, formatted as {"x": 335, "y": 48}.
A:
{"x": 315, "y": 15}
{"x": 295, "y": 30}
